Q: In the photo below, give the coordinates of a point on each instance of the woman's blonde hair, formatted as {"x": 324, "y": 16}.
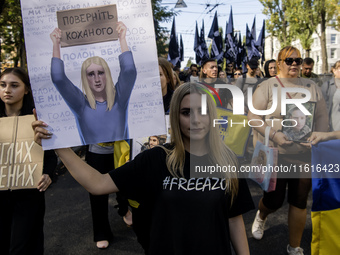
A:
{"x": 284, "y": 53}
{"x": 219, "y": 153}
{"x": 177, "y": 83}
{"x": 110, "y": 89}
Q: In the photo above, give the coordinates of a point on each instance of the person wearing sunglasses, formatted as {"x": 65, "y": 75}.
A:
{"x": 229, "y": 70}
{"x": 193, "y": 73}
{"x": 237, "y": 73}
{"x": 291, "y": 154}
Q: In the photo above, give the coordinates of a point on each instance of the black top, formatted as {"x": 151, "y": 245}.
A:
{"x": 167, "y": 99}
{"x": 189, "y": 216}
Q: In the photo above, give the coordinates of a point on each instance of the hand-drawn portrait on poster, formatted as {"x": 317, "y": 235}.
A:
{"x": 91, "y": 81}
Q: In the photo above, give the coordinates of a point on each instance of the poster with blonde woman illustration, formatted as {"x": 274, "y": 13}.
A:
{"x": 90, "y": 78}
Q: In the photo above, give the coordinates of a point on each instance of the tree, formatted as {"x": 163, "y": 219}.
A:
{"x": 302, "y": 21}
{"x": 337, "y": 17}
{"x": 161, "y": 14}
{"x": 291, "y": 19}
{"x": 325, "y": 11}
{"x": 277, "y": 24}
{"x": 11, "y": 32}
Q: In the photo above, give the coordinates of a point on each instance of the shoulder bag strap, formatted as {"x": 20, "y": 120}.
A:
{"x": 282, "y": 86}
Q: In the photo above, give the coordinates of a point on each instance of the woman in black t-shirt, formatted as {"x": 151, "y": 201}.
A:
{"x": 22, "y": 210}
{"x": 192, "y": 213}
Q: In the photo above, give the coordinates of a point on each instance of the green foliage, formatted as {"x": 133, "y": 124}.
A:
{"x": 337, "y": 16}
{"x": 277, "y": 23}
{"x": 299, "y": 19}
{"x": 302, "y": 21}
{"x": 161, "y": 14}
{"x": 11, "y": 33}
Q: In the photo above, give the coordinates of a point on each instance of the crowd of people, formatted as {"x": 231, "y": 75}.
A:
{"x": 158, "y": 221}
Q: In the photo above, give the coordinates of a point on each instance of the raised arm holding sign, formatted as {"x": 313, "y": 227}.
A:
{"x": 101, "y": 110}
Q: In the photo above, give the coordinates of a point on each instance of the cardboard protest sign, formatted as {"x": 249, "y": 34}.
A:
{"x": 88, "y": 25}
{"x": 67, "y": 114}
{"x": 21, "y": 159}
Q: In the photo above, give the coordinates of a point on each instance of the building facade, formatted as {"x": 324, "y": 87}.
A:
{"x": 272, "y": 48}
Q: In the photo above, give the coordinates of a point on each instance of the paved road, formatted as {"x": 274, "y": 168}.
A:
{"x": 68, "y": 226}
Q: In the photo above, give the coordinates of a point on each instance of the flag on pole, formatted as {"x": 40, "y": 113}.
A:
{"x": 181, "y": 49}
{"x": 251, "y": 45}
{"x": 197, "y": 46}
{"x": 253, "y": 29}
{"x": 173, "y": 55}
{"x": 240, "y": 51}
{"x": 244, "y": 59}
{"x": 326, "y": 198}
{"x": 260, "y": 41}
{"x": 203, "y": 45}
{"x": 217, "y": 45}
{"x": 230, "y": 46}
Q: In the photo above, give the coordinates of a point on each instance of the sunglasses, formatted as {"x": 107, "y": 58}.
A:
{"x": 290, "y": 61}
{"x": 237, "y": 74}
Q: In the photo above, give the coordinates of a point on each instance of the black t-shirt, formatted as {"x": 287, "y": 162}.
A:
{"x": 224, "y": 94}
{"x": 167, "y": 99}
{"x": 189, "y": 216}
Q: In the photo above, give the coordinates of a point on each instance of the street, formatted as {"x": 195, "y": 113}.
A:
{"x": 68, "y": 224}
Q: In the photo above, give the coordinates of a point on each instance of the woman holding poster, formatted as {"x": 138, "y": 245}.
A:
{"x": 189, "y": 215}
{"x": 291, "y": 154}
{"x": 101, "y": 112}
{"x": 22, "y": 210}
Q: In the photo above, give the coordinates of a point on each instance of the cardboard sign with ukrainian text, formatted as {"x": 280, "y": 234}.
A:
{"x": 234, "y": 131}
{"x": 88, "y": 25}
{"x": 21, "y": 159}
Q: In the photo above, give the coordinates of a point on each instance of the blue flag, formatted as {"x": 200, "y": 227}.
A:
{"x": 173, "y": 55}
{"x": 325, "y": 171}
{"x": 203, "y": 49}
{"x": 181, "y": 50}
{"x": 260, "y": 41}
{"x": 253, "y": 29}
{"x": 251, "y": 45}
{"x": 240, "y": 51}
{"x": 244, "y": 59}
{"x": 197, "y": 46}
{"x": 217, "y": 45}
{"x": 230, "y": 45}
